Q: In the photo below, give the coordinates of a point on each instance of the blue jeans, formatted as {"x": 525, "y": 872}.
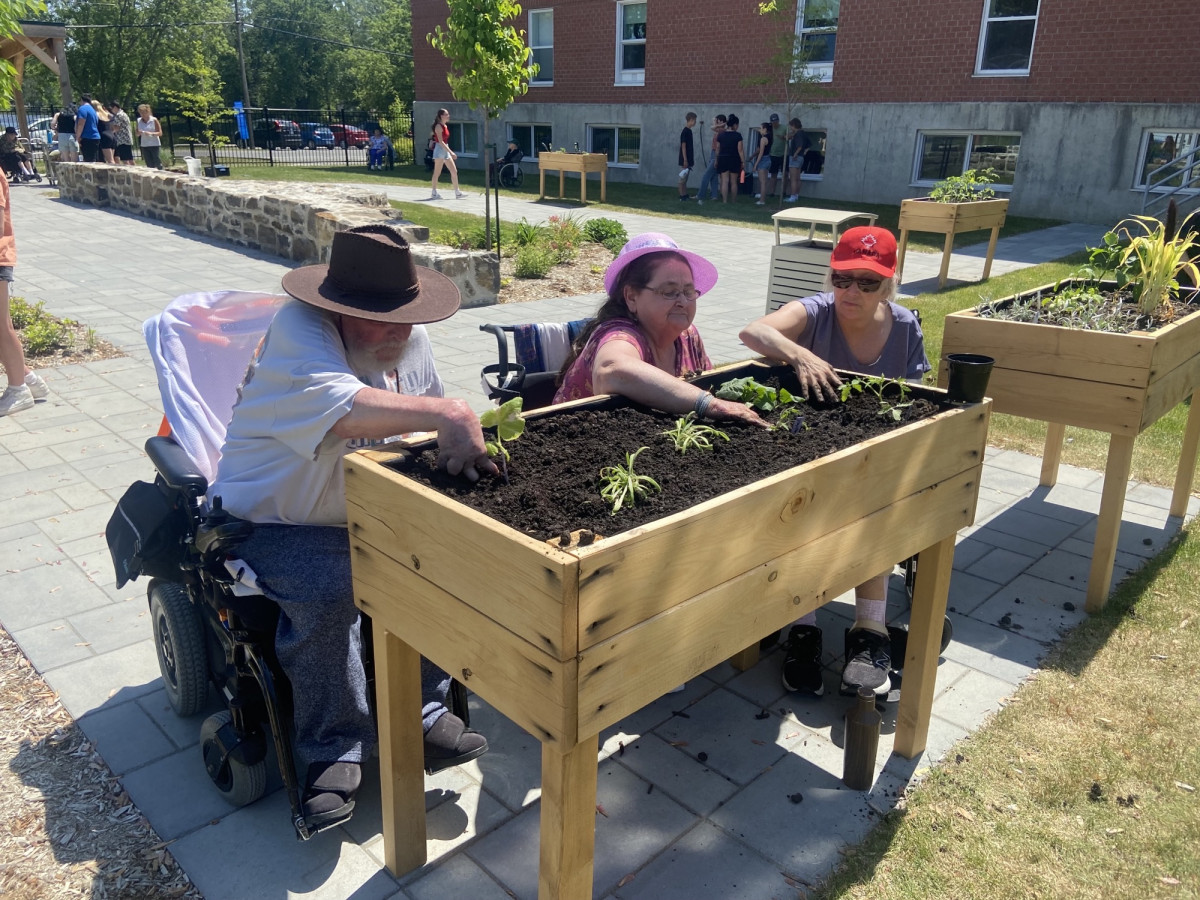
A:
{"x": 709, "y": 182}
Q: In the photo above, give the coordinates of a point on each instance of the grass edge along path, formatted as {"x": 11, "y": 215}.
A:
{"x": 1083, "y": 786}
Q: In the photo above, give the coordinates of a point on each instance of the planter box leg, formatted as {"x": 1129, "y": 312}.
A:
{"x": 1187, "y": 460}
{"x": 900, "y": 251}
{"x": 568, "y": 826}
{"x": 745, "y": 659}
{"x": 1052, "y": 453}
{"x": 924, "y": 638}
{"x": 1108, "y": 525}
{"x": 944, "y": 272}
{"x": 991, "y": 251}
{"x": 401, "y": 752}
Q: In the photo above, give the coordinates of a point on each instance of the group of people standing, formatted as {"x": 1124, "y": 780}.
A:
{"x": 776, "y": 157}
{"x": 95, "y": 132}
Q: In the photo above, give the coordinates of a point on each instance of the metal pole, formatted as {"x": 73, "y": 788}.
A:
{"x": 237, "y": 15}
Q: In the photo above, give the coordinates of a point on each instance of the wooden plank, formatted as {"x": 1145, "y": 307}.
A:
{"x": 623, "y": 673}
{"x": 456, "y": 547}
{"x": 1108, "y": 523}
{"x": 631, "y": 577}
{"x": 1172, "y": 389}
{"x": 1052, "y": 454}
{"x": 401, "y": 752}
{"x": 1186, "y": 471}
{"x": 1122, "y": 359}
{"x": 924, "y": 637}
{"x": 529, "y": 686}
{"x": 1175, "y": 345}
{"x": 1069, "y": 401}
{"x": 568, "y": 821}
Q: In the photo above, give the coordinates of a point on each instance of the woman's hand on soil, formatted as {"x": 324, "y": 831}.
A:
{"x": 737, "y": 412}
{"x": 817, "y": 378}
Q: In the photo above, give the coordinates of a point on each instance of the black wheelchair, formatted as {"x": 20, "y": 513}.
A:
{"x": 508, "y": 172}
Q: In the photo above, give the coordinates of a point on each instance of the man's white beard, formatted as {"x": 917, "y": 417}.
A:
{"x": 364, "y": 362}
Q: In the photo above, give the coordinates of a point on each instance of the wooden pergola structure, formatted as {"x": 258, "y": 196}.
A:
{"x": 46, "y": 43}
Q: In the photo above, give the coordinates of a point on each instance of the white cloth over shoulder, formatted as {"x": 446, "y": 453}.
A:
{"x": 201, "y": 344}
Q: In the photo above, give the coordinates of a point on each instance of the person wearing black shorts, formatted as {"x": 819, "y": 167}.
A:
{"x": 731, "y": 159}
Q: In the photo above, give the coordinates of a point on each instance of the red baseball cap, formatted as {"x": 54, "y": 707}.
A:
{"x": 866, "y": 247}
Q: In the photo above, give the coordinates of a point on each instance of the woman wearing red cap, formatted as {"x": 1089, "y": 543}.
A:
{"x": 854, "y": 325}
{"x": 642, "y": 341}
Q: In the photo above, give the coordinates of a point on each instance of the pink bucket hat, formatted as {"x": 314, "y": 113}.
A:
{"x": 704, "y": 273}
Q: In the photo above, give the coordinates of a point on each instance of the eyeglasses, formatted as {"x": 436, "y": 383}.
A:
{"x": 866, "y": 285}
{"x": 676, "y": 294}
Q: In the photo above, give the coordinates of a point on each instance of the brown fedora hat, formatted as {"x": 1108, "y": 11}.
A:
{"x": 371, "y": 275}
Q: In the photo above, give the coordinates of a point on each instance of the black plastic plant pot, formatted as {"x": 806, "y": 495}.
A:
{"x": 969, "y": 373}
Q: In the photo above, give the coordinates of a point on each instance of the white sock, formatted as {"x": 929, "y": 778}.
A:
{"x": 870, "y": 614}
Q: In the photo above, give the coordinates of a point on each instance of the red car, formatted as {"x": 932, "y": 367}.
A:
{"x": 348, "y": 135}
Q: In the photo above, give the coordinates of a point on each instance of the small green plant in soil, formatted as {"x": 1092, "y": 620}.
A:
{"x": 688, "y": 434}
{"x": 533, "y": 261}
{"x": 790, "y": 419}
{"x": 759, "y": 396}
{"x": 525, "y": 233}
{"x": 609, "y": 232}
{"x": 1147, "y": 264}
{"x": 506, "y": 419}
{"x": 969, "y": 186}
{"x": 879, "y": 385}
{"x": 1080, "y": 306}
{"x": 621, "y": 484}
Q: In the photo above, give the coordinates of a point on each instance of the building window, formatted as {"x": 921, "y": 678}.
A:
{"x": 464, "y": 138}
{"x": 622, "y": 145}
{"x": 816, "y": 30}
{"x": 532, "y": 139}
{"x": 1006, "y": 38}
{"x": 541, "y": 44}
{"x": 631, "y": 42}
{"x": 1160, "y": 150}
{"x": 941, "y": 154}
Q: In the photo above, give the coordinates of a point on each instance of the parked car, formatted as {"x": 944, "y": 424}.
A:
{"x": 314, "y": 135}
{"x": 277, "y": 134}
{"x": 42, "y": 136}
{"x": 349, "y": 136}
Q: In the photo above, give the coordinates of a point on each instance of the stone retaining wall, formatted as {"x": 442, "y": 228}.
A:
{"x": 289, "y": 219}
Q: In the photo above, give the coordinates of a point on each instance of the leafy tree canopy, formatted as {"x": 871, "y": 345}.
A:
{"x": 11, "y": 11}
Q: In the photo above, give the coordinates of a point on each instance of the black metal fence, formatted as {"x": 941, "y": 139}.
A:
{"x": 266, "y": 136}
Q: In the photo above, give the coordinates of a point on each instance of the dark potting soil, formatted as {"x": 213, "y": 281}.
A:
{"x": 554, "y": 472}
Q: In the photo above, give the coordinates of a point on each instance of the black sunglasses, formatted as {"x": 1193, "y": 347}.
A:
{"x": 866, "y": 285}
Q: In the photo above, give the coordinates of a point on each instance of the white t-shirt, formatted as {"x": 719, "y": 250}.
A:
{"x": 281, "y": 463}
{"x": 144, "y": 132}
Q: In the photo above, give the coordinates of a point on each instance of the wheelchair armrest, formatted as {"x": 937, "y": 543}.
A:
{"x": 176, "y": 467}
{"x": 220, "y": 532}
{"x": 500, "y": 332}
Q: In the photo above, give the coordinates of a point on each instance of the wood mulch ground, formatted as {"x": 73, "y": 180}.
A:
{"x": 584, "y": 275}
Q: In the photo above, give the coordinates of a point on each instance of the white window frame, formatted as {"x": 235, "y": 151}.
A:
{"x": 983, "y": 33}
{"x": 1139, "y": 183}
{"x": 918, "y": 181}
{"x": 455, "y": 139}
{"x": 540, "y": 80}
{"x": 513, "y": 126}
{"x": 823, "y": 70}
{"x": 628, "y": 77}
{"x": 614, "y": 163}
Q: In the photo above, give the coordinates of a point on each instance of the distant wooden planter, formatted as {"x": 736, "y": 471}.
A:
{"x": 1119, "y": 383}
{"x": 923, "y": 214}
{"x": 566, "y": 642}
{"x": 573, "y": 162}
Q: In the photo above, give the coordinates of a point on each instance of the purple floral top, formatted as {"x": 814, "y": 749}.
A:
{"x": 690, "y": 357}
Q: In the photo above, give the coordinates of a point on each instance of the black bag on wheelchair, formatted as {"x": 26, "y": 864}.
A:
{"x": 146, "y": 533}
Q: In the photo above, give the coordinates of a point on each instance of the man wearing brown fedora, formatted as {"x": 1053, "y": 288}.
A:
{"x": 344, "y": 365}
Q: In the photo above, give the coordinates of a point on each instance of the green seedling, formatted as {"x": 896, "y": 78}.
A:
{"x": 790, "y": 419}
{"x": 759, "y": 396}
{"x": 506, "y": 419}
{"x": 688, "y": 434}
{"x": 621, "y": 485}
{"x": 878, "y": 385}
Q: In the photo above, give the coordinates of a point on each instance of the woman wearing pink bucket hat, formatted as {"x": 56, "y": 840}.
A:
{"x": 642, "y": 342}
{"x": 854, "y": 325}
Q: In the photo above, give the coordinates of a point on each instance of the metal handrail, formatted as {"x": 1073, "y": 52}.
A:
{"x": 1185, "y": 162}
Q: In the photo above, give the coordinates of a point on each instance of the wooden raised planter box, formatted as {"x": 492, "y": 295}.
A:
{"x": 573, "y": 162}
{"x": 568, "y": 642}
{"x": 1119, "y": 383}
{"x": 923, "y": 214}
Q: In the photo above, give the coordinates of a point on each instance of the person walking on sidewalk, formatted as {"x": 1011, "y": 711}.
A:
{"x": 687, "y": 155}
{"x": 443, "y": 155}
{"x": 24, "y": 385}
{"x": 710, "y": 184}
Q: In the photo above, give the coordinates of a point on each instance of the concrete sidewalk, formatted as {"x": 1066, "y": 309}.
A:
{"x": 724, "y": 827}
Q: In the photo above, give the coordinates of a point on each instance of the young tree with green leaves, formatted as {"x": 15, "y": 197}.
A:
{"x": 11, "y": 12}
{"x": 203, "y": 103}
{"x": 489, "y": 64}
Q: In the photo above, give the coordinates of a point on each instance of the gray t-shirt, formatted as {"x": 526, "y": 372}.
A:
{"x": 903, "y": 355}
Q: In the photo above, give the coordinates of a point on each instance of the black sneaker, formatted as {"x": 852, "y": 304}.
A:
{"x": 802, "y": 664}
{"x": 868, "y": 660}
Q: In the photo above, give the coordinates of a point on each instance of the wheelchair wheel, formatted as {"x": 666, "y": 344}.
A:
{"x": 179, "y": 643}
{"x": 239, "y": 784}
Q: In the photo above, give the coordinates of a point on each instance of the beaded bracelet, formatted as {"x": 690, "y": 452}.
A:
{"x": 703, "y": 402}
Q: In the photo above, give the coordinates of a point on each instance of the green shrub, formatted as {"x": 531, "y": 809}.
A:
{"x": 970, "y": 185}
{"x": 25, "y": 314}
{"x": 563, "y": 237}
{"x": 452, "y": 237}
{"x": 526, "y": 233}
{"x": 607, "y": 232}
{"x": 44, "y": 336}
{"x": 534, "y": 261}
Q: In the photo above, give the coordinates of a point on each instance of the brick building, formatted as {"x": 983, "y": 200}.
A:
{"x": 1073, "y": 102}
